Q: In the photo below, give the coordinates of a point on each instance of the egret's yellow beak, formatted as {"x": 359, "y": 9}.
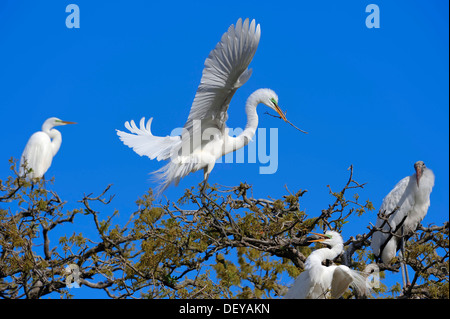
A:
{"x": 67, "y": 122}
{"x": 277, "y": 108}
{"x": 324, "y": 237}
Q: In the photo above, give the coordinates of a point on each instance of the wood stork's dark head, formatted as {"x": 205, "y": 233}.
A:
{"x": 419, "y": 166}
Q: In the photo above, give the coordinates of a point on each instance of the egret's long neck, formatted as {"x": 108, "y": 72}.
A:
{"x": 252, "y": 120}
{"x": 320, "y": 255}
{"x": 55, "y": 136}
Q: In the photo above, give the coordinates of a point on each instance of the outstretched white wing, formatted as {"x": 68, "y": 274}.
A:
{"x": 226, "y": 69}
{"x": 340, "y": 282}
{"x": 343, "y": 277}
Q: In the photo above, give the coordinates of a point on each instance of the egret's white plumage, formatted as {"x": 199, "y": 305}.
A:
{"x": 205, "y": 137}
{"x": 318, "y": 281}
{"x": 411, "y": 198}
{"x": 41, "y": 148}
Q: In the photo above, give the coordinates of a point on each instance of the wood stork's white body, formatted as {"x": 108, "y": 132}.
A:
{"x": 411, "y": 197}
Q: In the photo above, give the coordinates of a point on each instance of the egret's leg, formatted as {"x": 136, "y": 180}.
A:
{"x": 35, "y": 181}
{"x": 205, "y": 181}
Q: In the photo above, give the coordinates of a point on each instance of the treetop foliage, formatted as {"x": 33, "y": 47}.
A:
{"x": 223, "y": 243}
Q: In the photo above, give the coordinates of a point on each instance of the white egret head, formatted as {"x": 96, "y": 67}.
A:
{"x": 270, "y": 98}
{"x": 331, "y": 238}
{"x": 54, "y": 121}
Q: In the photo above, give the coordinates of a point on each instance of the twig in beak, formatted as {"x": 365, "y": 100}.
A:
{"x": 277, "y": 116}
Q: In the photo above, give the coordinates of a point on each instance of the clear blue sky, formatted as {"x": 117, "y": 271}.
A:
{"x": 374, "y": 98}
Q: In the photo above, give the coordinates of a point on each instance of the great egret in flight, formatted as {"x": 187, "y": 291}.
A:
{"x": 318, "y": 281}
{"x": 405, "y": 207}
{"x": 41, "y": 148}
{"x": 205, "y": 137}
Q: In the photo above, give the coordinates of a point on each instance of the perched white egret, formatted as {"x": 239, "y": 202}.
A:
{"x": 205, "y": 137}
{"x": 405, "y": 207}
{"x": 41, "y": 148}
{"x": 318, "y": 281}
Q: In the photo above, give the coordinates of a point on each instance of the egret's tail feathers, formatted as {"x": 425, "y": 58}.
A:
{"x": 173, "y": 172}
{"x": 143, "y": 142}
{"x": 359, "y": 283}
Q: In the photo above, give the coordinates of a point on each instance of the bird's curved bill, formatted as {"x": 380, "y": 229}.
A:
{"x": 323, "y": 237}
{"x": 418, "y": 174}
{"x": 280, "y": 112}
